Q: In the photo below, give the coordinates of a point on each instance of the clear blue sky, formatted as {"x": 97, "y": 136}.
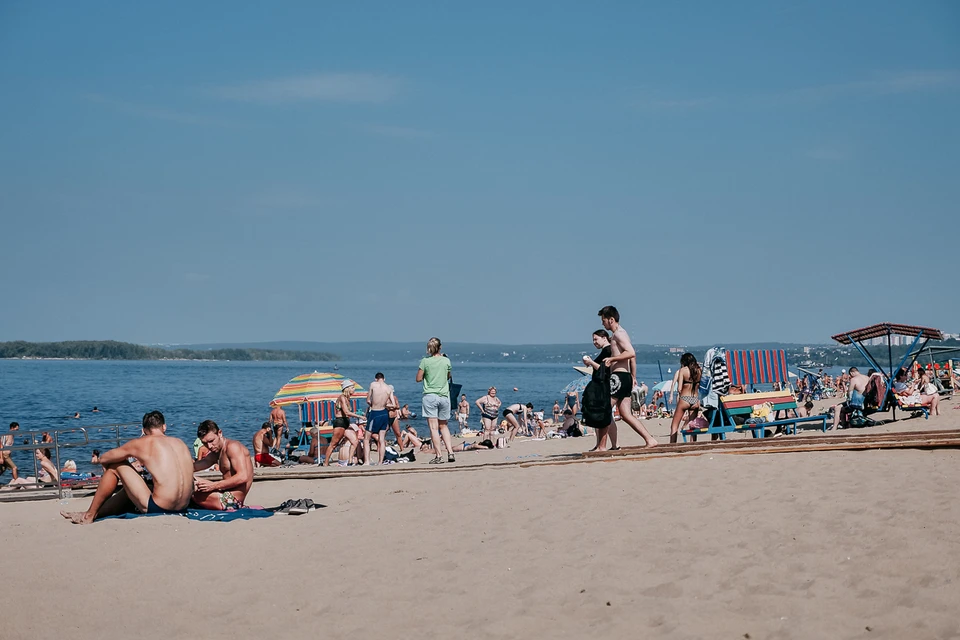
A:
{"x": 722, "y": 172}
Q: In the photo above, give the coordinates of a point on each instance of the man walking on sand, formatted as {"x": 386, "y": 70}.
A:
{"x": 233, "y": 460}
{"x": 623, "y": 367}
{"x": 167, "y": 459}
{"x": 463, "y": 412}
{"x": 378, "y": 417}
{"x": 6, "y": 459}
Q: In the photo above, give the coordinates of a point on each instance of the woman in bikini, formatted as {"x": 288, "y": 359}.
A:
{"x": 489, "y": 406}
{"x": 342, "y": 429}
{"x": 687, "y": 379}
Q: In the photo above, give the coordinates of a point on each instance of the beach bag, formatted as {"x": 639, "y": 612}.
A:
{"x": 501, "y": 443}
{"x": 595, "y": 405}
{"x": 637, "y": 399}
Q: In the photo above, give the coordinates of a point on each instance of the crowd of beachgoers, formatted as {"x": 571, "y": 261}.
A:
{"x": 156, "y": 472}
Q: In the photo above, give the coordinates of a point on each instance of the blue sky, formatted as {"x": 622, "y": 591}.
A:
{"x": 487, "y": 172}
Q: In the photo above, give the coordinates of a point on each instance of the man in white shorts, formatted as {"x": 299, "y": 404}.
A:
{"x": 463, "y": 412}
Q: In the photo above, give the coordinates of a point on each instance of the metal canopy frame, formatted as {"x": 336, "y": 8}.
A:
{"x": 858, "y": 336}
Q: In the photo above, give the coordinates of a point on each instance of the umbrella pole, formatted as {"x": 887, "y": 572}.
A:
{"x": 661, "y": 370}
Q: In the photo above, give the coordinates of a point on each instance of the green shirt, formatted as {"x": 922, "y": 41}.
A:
{"x": 436, "y": 369}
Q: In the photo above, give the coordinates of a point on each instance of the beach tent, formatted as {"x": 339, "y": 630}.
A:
{"x": 858, "y": 337}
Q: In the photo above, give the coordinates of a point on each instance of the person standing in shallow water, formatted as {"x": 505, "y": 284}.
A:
{"x": 435, "y": 372}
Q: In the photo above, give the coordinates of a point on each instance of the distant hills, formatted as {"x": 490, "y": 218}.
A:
{"x": 492, "y": 353}
{"x": 112, "y": 350}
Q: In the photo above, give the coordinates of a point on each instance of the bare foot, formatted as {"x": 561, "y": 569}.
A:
{"x": 77, "y": 517}
{"x": 650, "y": 444}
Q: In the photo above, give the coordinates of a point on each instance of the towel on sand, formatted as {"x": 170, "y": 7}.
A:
{"x": 208, "y": 515}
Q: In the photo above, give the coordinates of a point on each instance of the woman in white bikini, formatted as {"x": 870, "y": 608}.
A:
{"x": 686, "y": 380}
{"x": 489, "y": 406}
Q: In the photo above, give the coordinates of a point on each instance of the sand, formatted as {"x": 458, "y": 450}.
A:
{"x": 806, "y": 545}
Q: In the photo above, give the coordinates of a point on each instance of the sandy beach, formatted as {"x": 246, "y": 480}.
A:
{"x": 849, "y": 544}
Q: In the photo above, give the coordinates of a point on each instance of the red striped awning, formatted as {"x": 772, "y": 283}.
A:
{"x": 886, "y": 329}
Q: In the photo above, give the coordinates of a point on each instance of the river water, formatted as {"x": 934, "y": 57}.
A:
{"x": 44, "y": 394}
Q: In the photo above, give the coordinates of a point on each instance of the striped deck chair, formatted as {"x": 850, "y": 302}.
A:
{"x": 758, "y": 366}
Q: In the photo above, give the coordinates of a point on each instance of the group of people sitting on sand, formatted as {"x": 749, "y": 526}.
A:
{"x": 155, "y": 474}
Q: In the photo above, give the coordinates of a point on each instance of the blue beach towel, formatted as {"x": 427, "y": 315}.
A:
{"x": 208, "y": 515}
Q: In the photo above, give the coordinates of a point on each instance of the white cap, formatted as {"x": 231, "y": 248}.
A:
{"x": 347, "y": 383}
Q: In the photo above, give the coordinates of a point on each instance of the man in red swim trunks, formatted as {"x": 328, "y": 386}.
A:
{"x": 262, "y": 443}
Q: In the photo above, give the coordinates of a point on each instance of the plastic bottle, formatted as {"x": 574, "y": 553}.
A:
{"x": 67, "y": 495}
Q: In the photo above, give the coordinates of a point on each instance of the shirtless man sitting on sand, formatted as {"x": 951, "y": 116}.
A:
{"x": 262, "y": 443}
{"x": 167, "y": 459}
{"x": 234, "y": 461}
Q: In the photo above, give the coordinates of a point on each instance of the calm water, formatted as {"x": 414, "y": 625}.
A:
{"x": 44, "y": 394}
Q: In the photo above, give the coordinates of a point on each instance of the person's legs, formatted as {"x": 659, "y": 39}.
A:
{"x": 623, "y": 404}
{"x": 8, "y": 461}
{"x": 678, "y": 415}
{"x": 434, "y": 425}
{"x": 512, "y": 425}
{"x": 352, "y": 444}
{"x": 381, "y": 445}
{"x": 334, "y": 441}
{"x": 395, "y": 426}
{"x": 447, "y": 442}
{"x": 601, "y": 439}
{"x": 106, "y": 503}
{"x": 837, "y": 409}
{"x": 366, "y": 442}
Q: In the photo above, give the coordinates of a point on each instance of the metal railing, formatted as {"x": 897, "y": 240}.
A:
{"x": 66, "y": 439}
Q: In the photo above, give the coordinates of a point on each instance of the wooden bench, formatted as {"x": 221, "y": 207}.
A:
{"x": 731, "y": 406}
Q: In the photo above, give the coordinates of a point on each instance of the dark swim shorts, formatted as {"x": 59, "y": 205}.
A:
{"x": 153, "y": 507}
{"x": 378, "y": 421}
{"x": 621, "y": 384}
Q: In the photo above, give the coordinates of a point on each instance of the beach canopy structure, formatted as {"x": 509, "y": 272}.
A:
{"x": 857, "y": 337}
{"x": 314, "y": 394}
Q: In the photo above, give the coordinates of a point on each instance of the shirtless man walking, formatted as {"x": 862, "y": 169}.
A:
{"x": 234, "y": 461}
{"x": 463, "y": 412}
{"x": 262, "y": 443}
{"x": 623, "y": 368}
{"x": 378, "y": 417}
{"x": 278, "y": 419}
{"x": 167, "y": 459}
{"x": 6, "y": 460}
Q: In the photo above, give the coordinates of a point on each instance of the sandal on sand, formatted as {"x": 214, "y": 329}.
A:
{"x": 437, "y": 460}
{"x": 450, "y": 458}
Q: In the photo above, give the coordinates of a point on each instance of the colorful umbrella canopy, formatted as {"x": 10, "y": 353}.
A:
{"x": 665, "y": 386}
{"x": 313, "y": 387}
{"x": 577, "y": 385}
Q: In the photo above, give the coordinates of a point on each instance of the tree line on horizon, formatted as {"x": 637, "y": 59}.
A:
{"x": 113, "y": 350}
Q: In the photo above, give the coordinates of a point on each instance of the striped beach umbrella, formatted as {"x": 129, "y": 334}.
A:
{"x": 313, "y": 387}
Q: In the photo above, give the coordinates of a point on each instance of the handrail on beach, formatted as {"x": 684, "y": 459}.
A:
{"x": 35, "y": 436}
